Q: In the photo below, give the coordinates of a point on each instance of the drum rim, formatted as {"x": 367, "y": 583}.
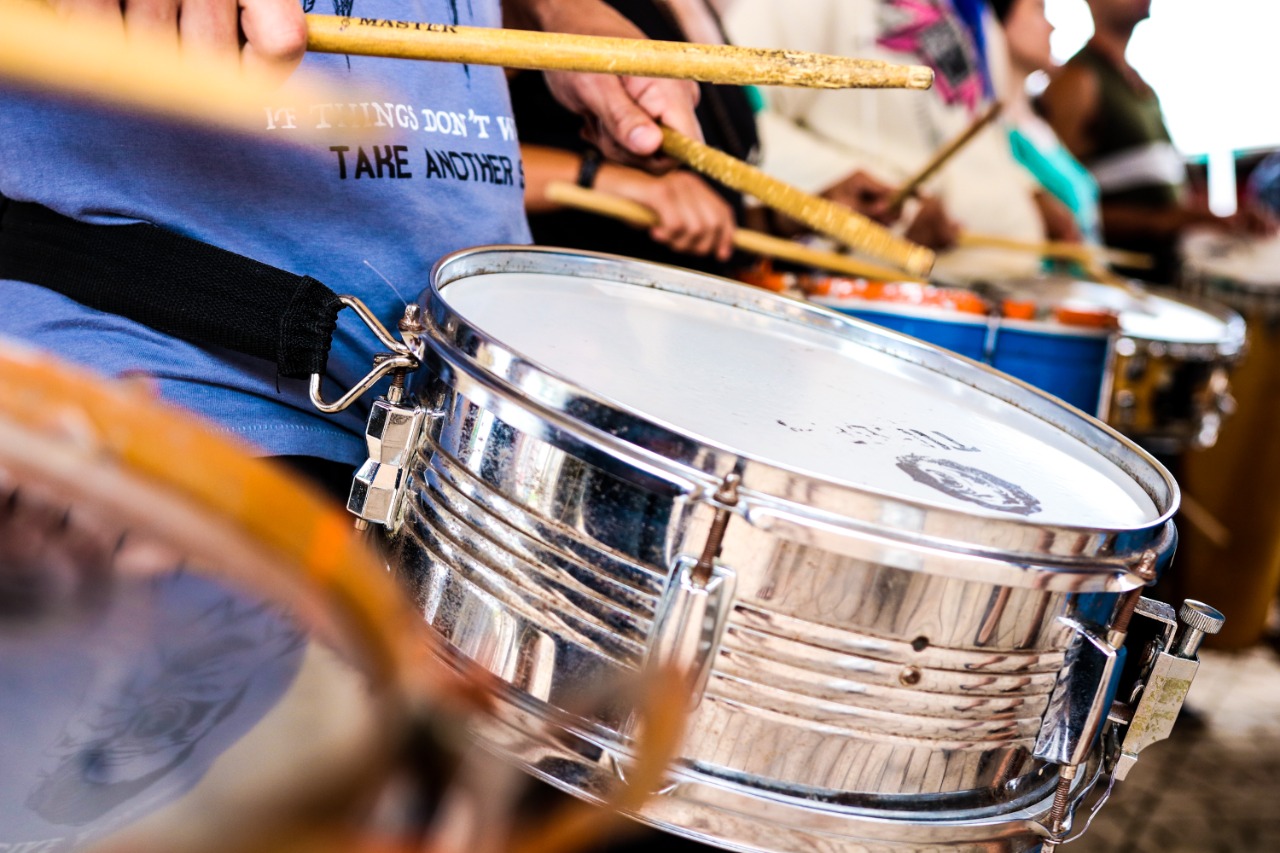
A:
{"x": 445, "y": 345}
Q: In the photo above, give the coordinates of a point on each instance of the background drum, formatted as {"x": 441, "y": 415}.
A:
{"x": 1168, "y": 383}
{"x": 1235, "y": 480}
{"x": 1154, "y": 364}
{"x": 889, "y": 571}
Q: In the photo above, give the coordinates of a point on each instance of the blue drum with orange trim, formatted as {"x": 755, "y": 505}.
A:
{"x": 1063, "y": 348}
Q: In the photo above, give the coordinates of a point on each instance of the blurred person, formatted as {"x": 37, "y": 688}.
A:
{"x": 1035, "y": 145}
{"x": 825, "y": 141}
{"x": 1111, "y": 119}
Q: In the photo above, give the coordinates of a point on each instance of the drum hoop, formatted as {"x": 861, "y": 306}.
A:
{"x": 1229, "y": 346}
{"x": 596, "y": 420}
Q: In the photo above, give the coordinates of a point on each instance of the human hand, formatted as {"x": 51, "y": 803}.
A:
{"x": 267, "y": 37}
{"x": 865, "y": 194}
{"x": 622, "y": 114}
{"x": 692, "y": 217}
{"x": 1059, "y": 222}
{"x": 932, "y": 226}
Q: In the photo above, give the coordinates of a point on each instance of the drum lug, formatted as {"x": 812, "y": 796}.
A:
{"x": 690, "y": 622}
{"x": 1080, "y": 700}
{"x": 695, "y": 606}
{"x": 391, "y": 434}
{"x": 1152, "y": 711}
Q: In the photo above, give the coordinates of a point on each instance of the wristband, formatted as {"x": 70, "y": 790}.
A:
{"x": 590, "y": 166}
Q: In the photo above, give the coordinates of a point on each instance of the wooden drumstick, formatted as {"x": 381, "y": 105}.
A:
{"x": 827, "y": 217}
{"x": 945, "y": 153}
{"x": 41, "y": 51}
{"x": 756, "y": 242}
{"x": 1080, "y": 252}
{"x": 597, "y": 54}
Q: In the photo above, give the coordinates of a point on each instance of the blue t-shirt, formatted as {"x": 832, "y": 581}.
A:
{"x": 377, "y": 188}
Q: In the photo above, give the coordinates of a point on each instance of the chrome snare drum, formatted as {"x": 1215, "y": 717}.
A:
{"x": 1168, "y": 385}
{"x": 900, "y": 578}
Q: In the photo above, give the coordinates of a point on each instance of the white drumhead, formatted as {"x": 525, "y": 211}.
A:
{"x": 1150, "y": 316}
{"x": 1246, "y": 261}
{"x": 808, "y": 399}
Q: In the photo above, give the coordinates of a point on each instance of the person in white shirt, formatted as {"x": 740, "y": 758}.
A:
{"x": 831, "y": 141}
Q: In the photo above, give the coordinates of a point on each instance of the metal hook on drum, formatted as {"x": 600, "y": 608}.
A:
{"x": 399, "y": 360}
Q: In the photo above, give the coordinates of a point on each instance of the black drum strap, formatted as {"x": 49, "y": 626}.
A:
{"x": 174, "y": 284}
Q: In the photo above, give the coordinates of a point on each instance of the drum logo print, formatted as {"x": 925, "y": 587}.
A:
{"x": 966, "y": 483}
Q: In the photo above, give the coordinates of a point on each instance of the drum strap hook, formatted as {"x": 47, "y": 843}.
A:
{"x": 398, "y": 360}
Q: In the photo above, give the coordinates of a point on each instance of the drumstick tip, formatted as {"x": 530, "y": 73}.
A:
{"x": 919, "y": 77}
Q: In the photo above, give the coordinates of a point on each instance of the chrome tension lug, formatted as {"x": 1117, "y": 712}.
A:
{"x": 379, "y": 488}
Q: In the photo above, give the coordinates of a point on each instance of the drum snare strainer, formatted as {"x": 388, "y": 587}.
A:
{"x": 899, "y": 580}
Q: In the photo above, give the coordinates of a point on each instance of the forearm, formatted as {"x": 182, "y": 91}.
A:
{"x": 564, "y": 16}
{"x": 542, "y": 165}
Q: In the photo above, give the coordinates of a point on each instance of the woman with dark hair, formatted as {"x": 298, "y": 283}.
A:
{"x": 1034, "y": 143}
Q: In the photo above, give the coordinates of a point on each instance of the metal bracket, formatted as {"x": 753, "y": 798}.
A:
{"x": 690, "y": 622}
{"x": 694, "y": 610}
{"x": 1079, "y": 702}
{"x": 392, "y": 432}
{"x": 399, "y": 359}
{"x": 1164, "y": 688}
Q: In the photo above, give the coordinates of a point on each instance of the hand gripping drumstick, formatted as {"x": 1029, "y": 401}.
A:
{"x": 766, "y": 245}
{"x": 828, "y": 217}
{"x": 943, "y": 154}
{"x": 597, "y": 54}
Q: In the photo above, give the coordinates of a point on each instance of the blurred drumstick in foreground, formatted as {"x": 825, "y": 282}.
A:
{"x": 826, "y": 217}
{"x": 756, "y": 242}
{"x": 1081, "y": 252}
{"x": 39, "y": 50}
{"x": 597, "y": 54}
{"x": 943, "y": 154}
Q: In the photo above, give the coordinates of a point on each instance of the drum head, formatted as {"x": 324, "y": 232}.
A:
{"x": 1154, "y": 316}
{"x": 792, "y": 386}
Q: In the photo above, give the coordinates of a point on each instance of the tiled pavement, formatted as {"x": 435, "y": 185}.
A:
{"x": 1211, "y": 788}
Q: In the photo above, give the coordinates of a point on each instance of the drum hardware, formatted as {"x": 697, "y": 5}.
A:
{"x": 399, "y": 360}
{"x": 694, "y": 609}
{"x": 1158, "y": 696}
{"x": 1080, "y": 703}
{"x": 1169, "y": 666}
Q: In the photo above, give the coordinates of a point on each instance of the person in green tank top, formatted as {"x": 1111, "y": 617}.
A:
{"x": 1110, "y": 118}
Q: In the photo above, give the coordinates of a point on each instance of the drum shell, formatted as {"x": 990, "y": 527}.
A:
{"x": 885, "y": 663}
{"x": 1071, "y": 364}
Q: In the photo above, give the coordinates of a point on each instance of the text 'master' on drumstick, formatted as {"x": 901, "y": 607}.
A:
{"x": 597, "y": 54}
{"x": 824, "y": 216}
{"x": 945, "y": 153}
{"x": 765, "y": 245}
